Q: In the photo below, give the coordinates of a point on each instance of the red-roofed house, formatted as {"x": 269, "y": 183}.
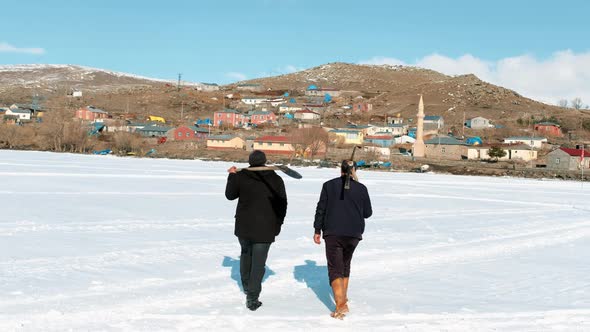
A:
{"x": 274, "y": 145}
{"x": 568, "y": 159}
{"x": 281, "y": 145}
{"x": 549, "y": 128}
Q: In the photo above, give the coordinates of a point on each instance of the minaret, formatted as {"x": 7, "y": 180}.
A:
{"x": 419, "y": 148}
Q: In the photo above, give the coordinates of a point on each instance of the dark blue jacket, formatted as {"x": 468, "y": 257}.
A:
{"x": 342, "y": 215}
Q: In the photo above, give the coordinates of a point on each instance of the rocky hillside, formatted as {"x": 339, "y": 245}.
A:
{"x": 391, "y": 90}
{"x": 395, "y": 89}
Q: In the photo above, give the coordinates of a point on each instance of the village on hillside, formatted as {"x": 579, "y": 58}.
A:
{"x": 314, "y": 124}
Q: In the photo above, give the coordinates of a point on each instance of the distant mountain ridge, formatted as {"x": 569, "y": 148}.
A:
{"x": 75, "y": 76}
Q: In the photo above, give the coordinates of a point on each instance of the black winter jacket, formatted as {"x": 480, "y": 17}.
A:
{"x": 260, "y": 213}
{"x": 342, "y": 217}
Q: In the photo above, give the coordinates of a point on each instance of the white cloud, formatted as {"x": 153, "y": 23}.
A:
{"x": 236, "y": 76}
{"x": 563, "y": 75}
{"x": 381, "y": 60}
{"x": 7, "y": 48}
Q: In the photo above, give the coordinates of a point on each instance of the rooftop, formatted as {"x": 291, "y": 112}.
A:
{"x": 444, "y": 140}
{"x": 524, "y": 138}
{"x": 432, "y": 117}
{"x": 221, "y": 137}
{"x": 154, "y": 128}
{"x": 269, "y": 138}
{"x": 575, "y": 152}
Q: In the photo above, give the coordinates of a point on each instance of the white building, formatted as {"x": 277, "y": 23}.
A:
{"x": 253, "y": 100}
{"x": 478, "y": 123}
{"x": 517, "y": 152}
{"x": 307, "y": 115}
{"x": 289, "y": 108}
{"x": 535, "y": 142}
{"x": 436, "y": 121}
{"x": 394, "y": 129}
{"x": 274, "y": 102}
{"x": 19, "y": 113}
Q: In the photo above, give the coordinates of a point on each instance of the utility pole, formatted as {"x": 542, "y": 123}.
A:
{"x": 463, "y": 126}
{"x": 178, "y": 84}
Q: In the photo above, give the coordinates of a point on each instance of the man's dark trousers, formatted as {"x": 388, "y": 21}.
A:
{"x": 252, "y": 263}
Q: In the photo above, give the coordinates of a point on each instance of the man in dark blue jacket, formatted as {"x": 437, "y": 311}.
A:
{"x": 262, "y": 205}
{"x": 340, "y": 215}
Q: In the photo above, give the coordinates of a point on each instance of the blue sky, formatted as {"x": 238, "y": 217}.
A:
{"x": 220, "y": 41}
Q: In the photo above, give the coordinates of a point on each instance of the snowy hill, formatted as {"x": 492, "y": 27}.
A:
{"x": 100, "y": 243}
{"x": 72, "y": 76}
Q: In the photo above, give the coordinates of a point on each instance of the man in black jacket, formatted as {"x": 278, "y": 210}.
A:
{"x": 262, "y": 206}
{"x": 340, "y": 215}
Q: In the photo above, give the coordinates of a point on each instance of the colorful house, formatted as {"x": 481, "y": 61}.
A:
{"x": 228, "y": 117}
{"x": 225, "y": 142}
{"x": 259, "y": 117}
{"x": 380, "y": 139}
{"x": 549, "y": 128}
{"x": 348, "y": 136}
{"x": 188, "y": 133}
{"x": 362, "y": 107}
{"x": 283, "y": 145}
{"x": 274, "y": 145}
{"x": 91, "y": 113}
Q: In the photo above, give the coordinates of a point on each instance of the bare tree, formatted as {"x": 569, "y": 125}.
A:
{"x": 127, "y": 142}
{"x": 52, "y": 130}
{"x": 563, "y": 103}
{"x": 308, "y": 142}
{"x": 577, "y": 103}
{"x": 16, "y": 137}
{"x": 7, "y": 135}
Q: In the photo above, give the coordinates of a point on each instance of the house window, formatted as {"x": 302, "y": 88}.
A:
{"x": 179, "y": 134}
{"x": 442, "y": 150}
{"x": 282, "y": 144}
{"x": 188, "y": 134}
{"x": 269, "y": 144}
{"x": 557, "y": 160}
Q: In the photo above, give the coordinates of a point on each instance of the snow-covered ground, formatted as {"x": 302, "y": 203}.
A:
{"x": 124, "y": 244}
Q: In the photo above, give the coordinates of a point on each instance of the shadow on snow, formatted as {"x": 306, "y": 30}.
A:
{"x": 316, "y": 278}
{"x": 235, "y": 270}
